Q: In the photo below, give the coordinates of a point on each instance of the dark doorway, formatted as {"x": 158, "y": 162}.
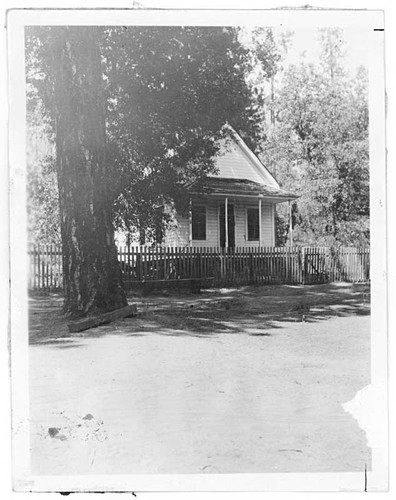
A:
{"x": 231, "y": 225}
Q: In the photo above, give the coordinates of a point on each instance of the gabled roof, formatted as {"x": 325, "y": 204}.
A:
{"x": 237, "y": 161}
{"x": 241, "y": 173}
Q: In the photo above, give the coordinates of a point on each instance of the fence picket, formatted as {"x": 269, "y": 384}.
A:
{"x": 239, "y": 265}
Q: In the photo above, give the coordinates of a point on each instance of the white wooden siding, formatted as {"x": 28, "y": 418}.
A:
{"x": 234, "y": 163}
{"x": 178, "y": 236}
{"x": 273, "y": 225}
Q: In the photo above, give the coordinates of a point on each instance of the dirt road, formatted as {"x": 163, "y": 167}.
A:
{"x": 247, "y": 380}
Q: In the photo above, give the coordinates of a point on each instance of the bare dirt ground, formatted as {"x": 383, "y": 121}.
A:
{"x": 233, "y": 380}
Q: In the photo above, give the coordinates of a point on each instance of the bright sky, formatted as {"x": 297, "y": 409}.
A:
{"x": 306, "y": 40}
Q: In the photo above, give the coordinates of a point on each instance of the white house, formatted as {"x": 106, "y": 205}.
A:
{"x": 235, "y": 207}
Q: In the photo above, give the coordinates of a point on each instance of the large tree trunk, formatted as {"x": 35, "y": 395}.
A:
{"x": 92, "y": 276}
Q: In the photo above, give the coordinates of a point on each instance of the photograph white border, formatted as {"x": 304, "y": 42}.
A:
{"x": 374, "y": 399}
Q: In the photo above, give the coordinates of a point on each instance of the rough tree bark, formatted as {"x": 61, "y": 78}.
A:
{"x": 92, "y": 276}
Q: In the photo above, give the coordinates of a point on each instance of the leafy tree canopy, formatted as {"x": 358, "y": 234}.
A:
{"x": 319, "y": 147}
{"x": 169, "y": 91}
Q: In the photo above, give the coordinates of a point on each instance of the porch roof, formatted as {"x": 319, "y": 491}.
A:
{"x": 241, "y": 187}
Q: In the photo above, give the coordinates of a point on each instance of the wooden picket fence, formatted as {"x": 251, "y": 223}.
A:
{"x": 237, "y": 266}
{"x": 328, "y": 265}
{"x": 45, "y": 267}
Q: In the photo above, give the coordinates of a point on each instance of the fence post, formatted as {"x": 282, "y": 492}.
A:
{"x": 238, "y": 265}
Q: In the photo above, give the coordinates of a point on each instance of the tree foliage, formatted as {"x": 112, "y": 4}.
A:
{"x": 168, "y": 92}
{"x": 43, "y": 199}
{"x": 171, "y": 90}
{"x": 267, "y": 53}
{"x": 42, "y": 193}
{"x": 319, "y": 147}
{"x": 135, "y": 114}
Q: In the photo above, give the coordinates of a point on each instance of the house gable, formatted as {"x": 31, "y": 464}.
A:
{"x": 237, "y": 161}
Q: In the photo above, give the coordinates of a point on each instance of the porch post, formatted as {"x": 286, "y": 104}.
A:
{"x": 226, "y": 222}
{"x": 273, "y": 224}
{"x": 190, "y": 224}
{"x": 260, "y": 231}
{"x": 290, "y": 224}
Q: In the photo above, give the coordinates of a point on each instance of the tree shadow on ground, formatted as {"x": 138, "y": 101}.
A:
{"x": 254, "y": 310}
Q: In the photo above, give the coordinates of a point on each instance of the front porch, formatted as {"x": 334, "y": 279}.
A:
{"x": 228, "y": 213}
{"x": 225, "y": 222}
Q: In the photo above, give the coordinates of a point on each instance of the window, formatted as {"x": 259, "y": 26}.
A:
{"x": 199, "y": 223}
{"x": 253, "y": 224}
